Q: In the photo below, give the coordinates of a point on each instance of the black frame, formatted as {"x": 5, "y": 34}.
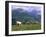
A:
{"x": 7, "y": 17}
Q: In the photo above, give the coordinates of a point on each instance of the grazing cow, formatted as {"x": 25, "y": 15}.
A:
{"x": 18, "y": 23}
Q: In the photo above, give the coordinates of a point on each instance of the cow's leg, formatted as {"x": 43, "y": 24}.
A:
{"x": 18, "y": 24}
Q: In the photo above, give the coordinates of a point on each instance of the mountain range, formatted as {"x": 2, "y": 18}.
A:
{"x": 24, "y": 15}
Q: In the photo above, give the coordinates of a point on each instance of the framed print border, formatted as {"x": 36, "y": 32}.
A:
{"x": 7, "y": 17}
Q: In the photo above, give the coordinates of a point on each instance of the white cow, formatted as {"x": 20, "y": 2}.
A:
{"x": 18, "y": 23}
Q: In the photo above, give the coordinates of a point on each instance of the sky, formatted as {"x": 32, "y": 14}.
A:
{"x": 28, "y": 8}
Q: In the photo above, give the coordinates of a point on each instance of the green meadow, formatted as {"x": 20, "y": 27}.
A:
{"x": 23, "y": 27}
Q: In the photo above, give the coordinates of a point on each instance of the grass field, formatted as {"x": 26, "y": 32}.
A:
{"x": 26, "y": 27}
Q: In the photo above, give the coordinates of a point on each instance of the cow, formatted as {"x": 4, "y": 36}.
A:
{"x": 18, "y": 23}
